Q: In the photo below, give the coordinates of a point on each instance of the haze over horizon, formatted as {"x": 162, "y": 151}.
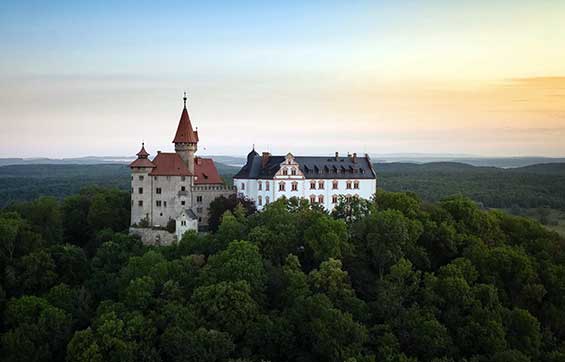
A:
{"x": 88, "y": 79}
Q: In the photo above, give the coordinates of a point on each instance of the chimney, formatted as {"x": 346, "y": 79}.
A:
{"x": 265, "y": 158}
{"x": 337, "y": 156}
{"x": 354, "y": 157}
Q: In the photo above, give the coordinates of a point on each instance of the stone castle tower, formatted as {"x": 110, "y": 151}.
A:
{"x": 174, "y": 186}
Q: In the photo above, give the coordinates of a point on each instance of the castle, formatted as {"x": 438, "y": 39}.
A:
{"x": 175, "y": 187}
{"x": 321, "y": 180}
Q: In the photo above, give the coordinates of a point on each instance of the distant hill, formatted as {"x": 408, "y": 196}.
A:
{"x": 526, "y": 187}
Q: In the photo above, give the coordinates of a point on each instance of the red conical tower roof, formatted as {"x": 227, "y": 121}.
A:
{"x": 185, "y": 133}
{"x": 142, "y": 160}
{"x": 142, "y": 153}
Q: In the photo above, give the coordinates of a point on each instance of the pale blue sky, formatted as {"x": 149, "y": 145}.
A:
{"x": 89, "y": 78}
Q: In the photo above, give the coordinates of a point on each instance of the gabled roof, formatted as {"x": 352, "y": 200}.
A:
{"x": 313, "y": 167}
{"x": 206, "y": 172}
{"x": 185, "y": 133}
{"x": 169, "y": 164}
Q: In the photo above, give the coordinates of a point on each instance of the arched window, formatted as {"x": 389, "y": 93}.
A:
{"x": 281, "y": 186}
{"x": 267, "y": 185}
{"x": 356, "y": 184}
{"x": 321, "y": 199}
{"x": 312, "y": 185}
{"x": 242, "y": 186}
{"x": 259, "y": 200}
{"x": 294, "y": 186}
{"x": 348, "y": 185}
{"x": 267, "y": 200}
{"x": 348, "y": 197}
{"x": 259, "y": 185}
{"x": 285, "y": 171}
{"x": 321, "y": 185}
{"x": 334, "y": 199}
{"x": 312, "y": 199}
{"x": 293, "y": 172}
{"x": 335, "y": 184}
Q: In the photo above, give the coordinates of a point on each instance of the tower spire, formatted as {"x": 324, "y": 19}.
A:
{"x": 184, "y": 99}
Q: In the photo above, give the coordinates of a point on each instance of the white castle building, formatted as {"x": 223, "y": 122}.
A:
{"x": 177, "y": 186}
{"x": 265, "y": 178}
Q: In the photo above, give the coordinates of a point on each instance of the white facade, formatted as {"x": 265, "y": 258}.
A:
{"x": 289, "y": 181}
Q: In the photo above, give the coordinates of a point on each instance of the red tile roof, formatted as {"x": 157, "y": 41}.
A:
{"x": 185, "y": 134}
{"x": 142, "y": 162}
{"x": 206, "y": 172}
{"x": 142, "y": 153}
{"x": 169, "y": 164}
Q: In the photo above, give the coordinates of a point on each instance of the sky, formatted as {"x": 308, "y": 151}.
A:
{"x": 97, "y": 78}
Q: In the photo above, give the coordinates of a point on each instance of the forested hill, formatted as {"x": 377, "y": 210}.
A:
{"x": 526, "y": 187}
{"x": 392, "y": 279}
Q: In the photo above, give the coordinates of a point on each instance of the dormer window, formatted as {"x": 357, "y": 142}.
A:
{"x": 285, "y": 171}
{"x": 293, "y": 172}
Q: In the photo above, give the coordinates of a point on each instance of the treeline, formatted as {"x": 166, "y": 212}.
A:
{"x": 525, "y": 187}
{"x": 392, "y": 279}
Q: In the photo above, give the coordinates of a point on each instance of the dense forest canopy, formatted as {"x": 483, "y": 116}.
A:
{"x": 391, "y": 279}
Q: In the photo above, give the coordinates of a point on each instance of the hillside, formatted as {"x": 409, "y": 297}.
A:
{"x": 524, "y": 187}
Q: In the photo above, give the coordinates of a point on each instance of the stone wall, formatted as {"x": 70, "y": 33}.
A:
{"x": 203, "y": 195}
{"x": 153, "y": 236}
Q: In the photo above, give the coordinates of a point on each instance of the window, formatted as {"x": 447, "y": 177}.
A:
{"x": 321, "y": 199}
{"x": 183, "y": 223}
{"x": 321, "y": 185}
{"x": 158, "y": 203}
{"x": 199, "y": 210}
{"x": 285, "y": 171}
{"x": 140, "y": 178}
{"x": 294, "y": 186}
{"x": 335, "y": 184}
{"x": 312, "y": 199}
{"x": 293, "y": 172}
{"x": 155, "y": 178}
{"x": 242, "y": 186}
{"x": 183, "y": 178}
{"x": 158, "y": 191}
{"x": 140, "y": 190}
{"x": 259, "y": 200}
{"x": 266, "y": 200}
{"x": 198, "y": 198}
{"x": 168, "y": 178}
{"x": 182, "y": 188}
{"x": 334, "y": 199}
{"x": 281, "y": 186}
{"x": 356, "y": 184}
{"x": 348, "y": 198}
{"x": 312, "y": 185}
{"x": 165, "y": 203}
{"x": 348, "y": 185}
{"x": 183, "y": 202}
{"x": 140, "y": 203}
{"x": 267, "y": 186}
{"x": 259, "y": 186}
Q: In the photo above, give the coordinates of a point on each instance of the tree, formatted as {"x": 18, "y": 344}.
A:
{"x": 220, "y": 205}
{"x": 225, "y": 306}
{"x": 240, "y": 261}
{"x": 37, "y": 331}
